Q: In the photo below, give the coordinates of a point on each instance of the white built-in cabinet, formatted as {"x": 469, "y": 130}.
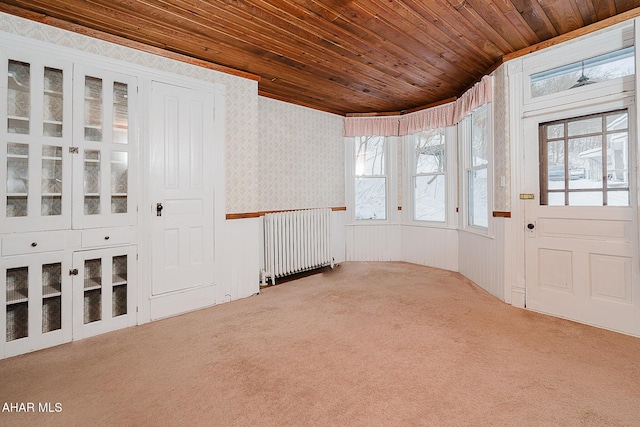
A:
{"x": 68, "y": 202}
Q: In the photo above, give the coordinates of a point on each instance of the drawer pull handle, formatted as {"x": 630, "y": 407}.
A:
{"x": 34, "y": 244}
{"x": 106, "y": 237}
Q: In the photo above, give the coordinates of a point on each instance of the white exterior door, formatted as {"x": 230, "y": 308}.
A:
{"x": 581, "y": 258}
{"x": 182, "y": 213}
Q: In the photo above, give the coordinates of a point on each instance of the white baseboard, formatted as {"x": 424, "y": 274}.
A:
{"x": 518, "y": 297}
{"x": 173, "y": 303}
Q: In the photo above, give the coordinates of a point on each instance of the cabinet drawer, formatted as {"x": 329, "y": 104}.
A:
{"x": 107, "y": 237}
{"x": 31, "y": 243}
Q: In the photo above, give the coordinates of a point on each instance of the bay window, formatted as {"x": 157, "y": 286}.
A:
{"x": 370, "y": 178}
{"x": 428, "y": 176}
{"x": 477, "y": 149}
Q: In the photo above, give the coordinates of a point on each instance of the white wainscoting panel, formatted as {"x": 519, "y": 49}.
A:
{"x": 481, "y": 258}
{"x": 238, "y": 260}
{"x": 378, "y": 242}
{"x": 433, "y": 247}
{"x": 338, "y": 243}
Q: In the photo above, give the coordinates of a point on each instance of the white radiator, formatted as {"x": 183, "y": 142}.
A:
{"x": 296, "y": 241}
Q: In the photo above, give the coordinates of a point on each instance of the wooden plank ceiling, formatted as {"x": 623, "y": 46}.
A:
{"x": 340, "y": 56}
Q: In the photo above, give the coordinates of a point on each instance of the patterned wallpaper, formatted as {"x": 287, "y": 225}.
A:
{"x": 301, "y": 157}
{"x": 241, "y": 151}
{"x": 501, "y": 145}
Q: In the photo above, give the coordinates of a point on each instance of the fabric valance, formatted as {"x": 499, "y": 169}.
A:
{"x": 430, "y": 118}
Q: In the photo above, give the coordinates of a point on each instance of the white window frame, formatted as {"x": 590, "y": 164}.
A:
{"x": 611, "y": 40}
{"x": 390, "y": 167}
{"x": 465, "y": 135}
{"x": 450, "y": 177}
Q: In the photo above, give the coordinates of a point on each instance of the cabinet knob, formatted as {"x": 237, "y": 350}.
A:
{"x": 106, "y": 237}
{"x": 34, "y": 244}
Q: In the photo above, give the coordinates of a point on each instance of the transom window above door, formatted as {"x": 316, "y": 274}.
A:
{"x": 584, "y": 161}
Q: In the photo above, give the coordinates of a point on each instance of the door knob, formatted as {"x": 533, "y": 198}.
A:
{"x": 531, "y": 226}
{"x": 159, "y": 208}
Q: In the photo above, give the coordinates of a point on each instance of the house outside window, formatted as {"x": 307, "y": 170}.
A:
{"x": 584, "y": 161}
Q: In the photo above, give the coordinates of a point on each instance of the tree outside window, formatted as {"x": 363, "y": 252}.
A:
{"x": 370, "y": 178}
{"x": 429, "y": 180}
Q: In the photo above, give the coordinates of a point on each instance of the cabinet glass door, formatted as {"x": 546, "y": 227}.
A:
{"x": 34, "y": 144}
{"x": 36, "y": 301}
{"x": 103, "y": 290}
{"x": 106, "y": 148}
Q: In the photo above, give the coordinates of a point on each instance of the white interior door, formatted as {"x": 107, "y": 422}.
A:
{"x": 181, "y": 190}
{"x": 581, "y": 258}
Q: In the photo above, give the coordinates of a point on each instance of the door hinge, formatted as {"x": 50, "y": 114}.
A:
{"x": 74, "y": 150}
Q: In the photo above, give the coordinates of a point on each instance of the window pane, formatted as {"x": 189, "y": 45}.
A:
{"x": 479, "y": 137}
{"x": 589, "y": 163}
{"x": 585, "y": 126}
{"x": 555, "y": 131}
{"x": 17, "y": 179}
{"x": 478, "y": 204}
{"x": 53, "y": 104}
{"x": 371, "y": 200}
{"x": 555, "y": 165}
{"x": 120, "y": 113}
{"x": 618, "y": 198}
{"x": 18, "y": 97}
{"x": 430, "y": 152}
{"x": 591, "y": 198}
{"x": 618, "y": 121}
{"x": 617, "y": 160}
{"x": 585, "y": 162}
{"x": 92, "y": 109}
{"x": 92, "y": 185}
{"x": 429, "y": 198}
{"x": 592, "y": 70}
{"x": 555, "y": 199}
{"x": 51, "y": 180}
{"x": 370, "y": 156}
{"x": 119, "y": 181}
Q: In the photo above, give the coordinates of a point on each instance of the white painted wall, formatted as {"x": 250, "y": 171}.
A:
{"x": 481, "y": 258}
{"x": 430, "y": 246}
{"x": 239, "y": 259}
{"x": 338, "y": 236}
{"x": 376, "y": 242}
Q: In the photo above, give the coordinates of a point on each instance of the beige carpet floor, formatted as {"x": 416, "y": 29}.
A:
{"x": 365, "y": 344}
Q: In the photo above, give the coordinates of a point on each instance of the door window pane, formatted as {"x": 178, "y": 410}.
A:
{"x": 594, "y": 155}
